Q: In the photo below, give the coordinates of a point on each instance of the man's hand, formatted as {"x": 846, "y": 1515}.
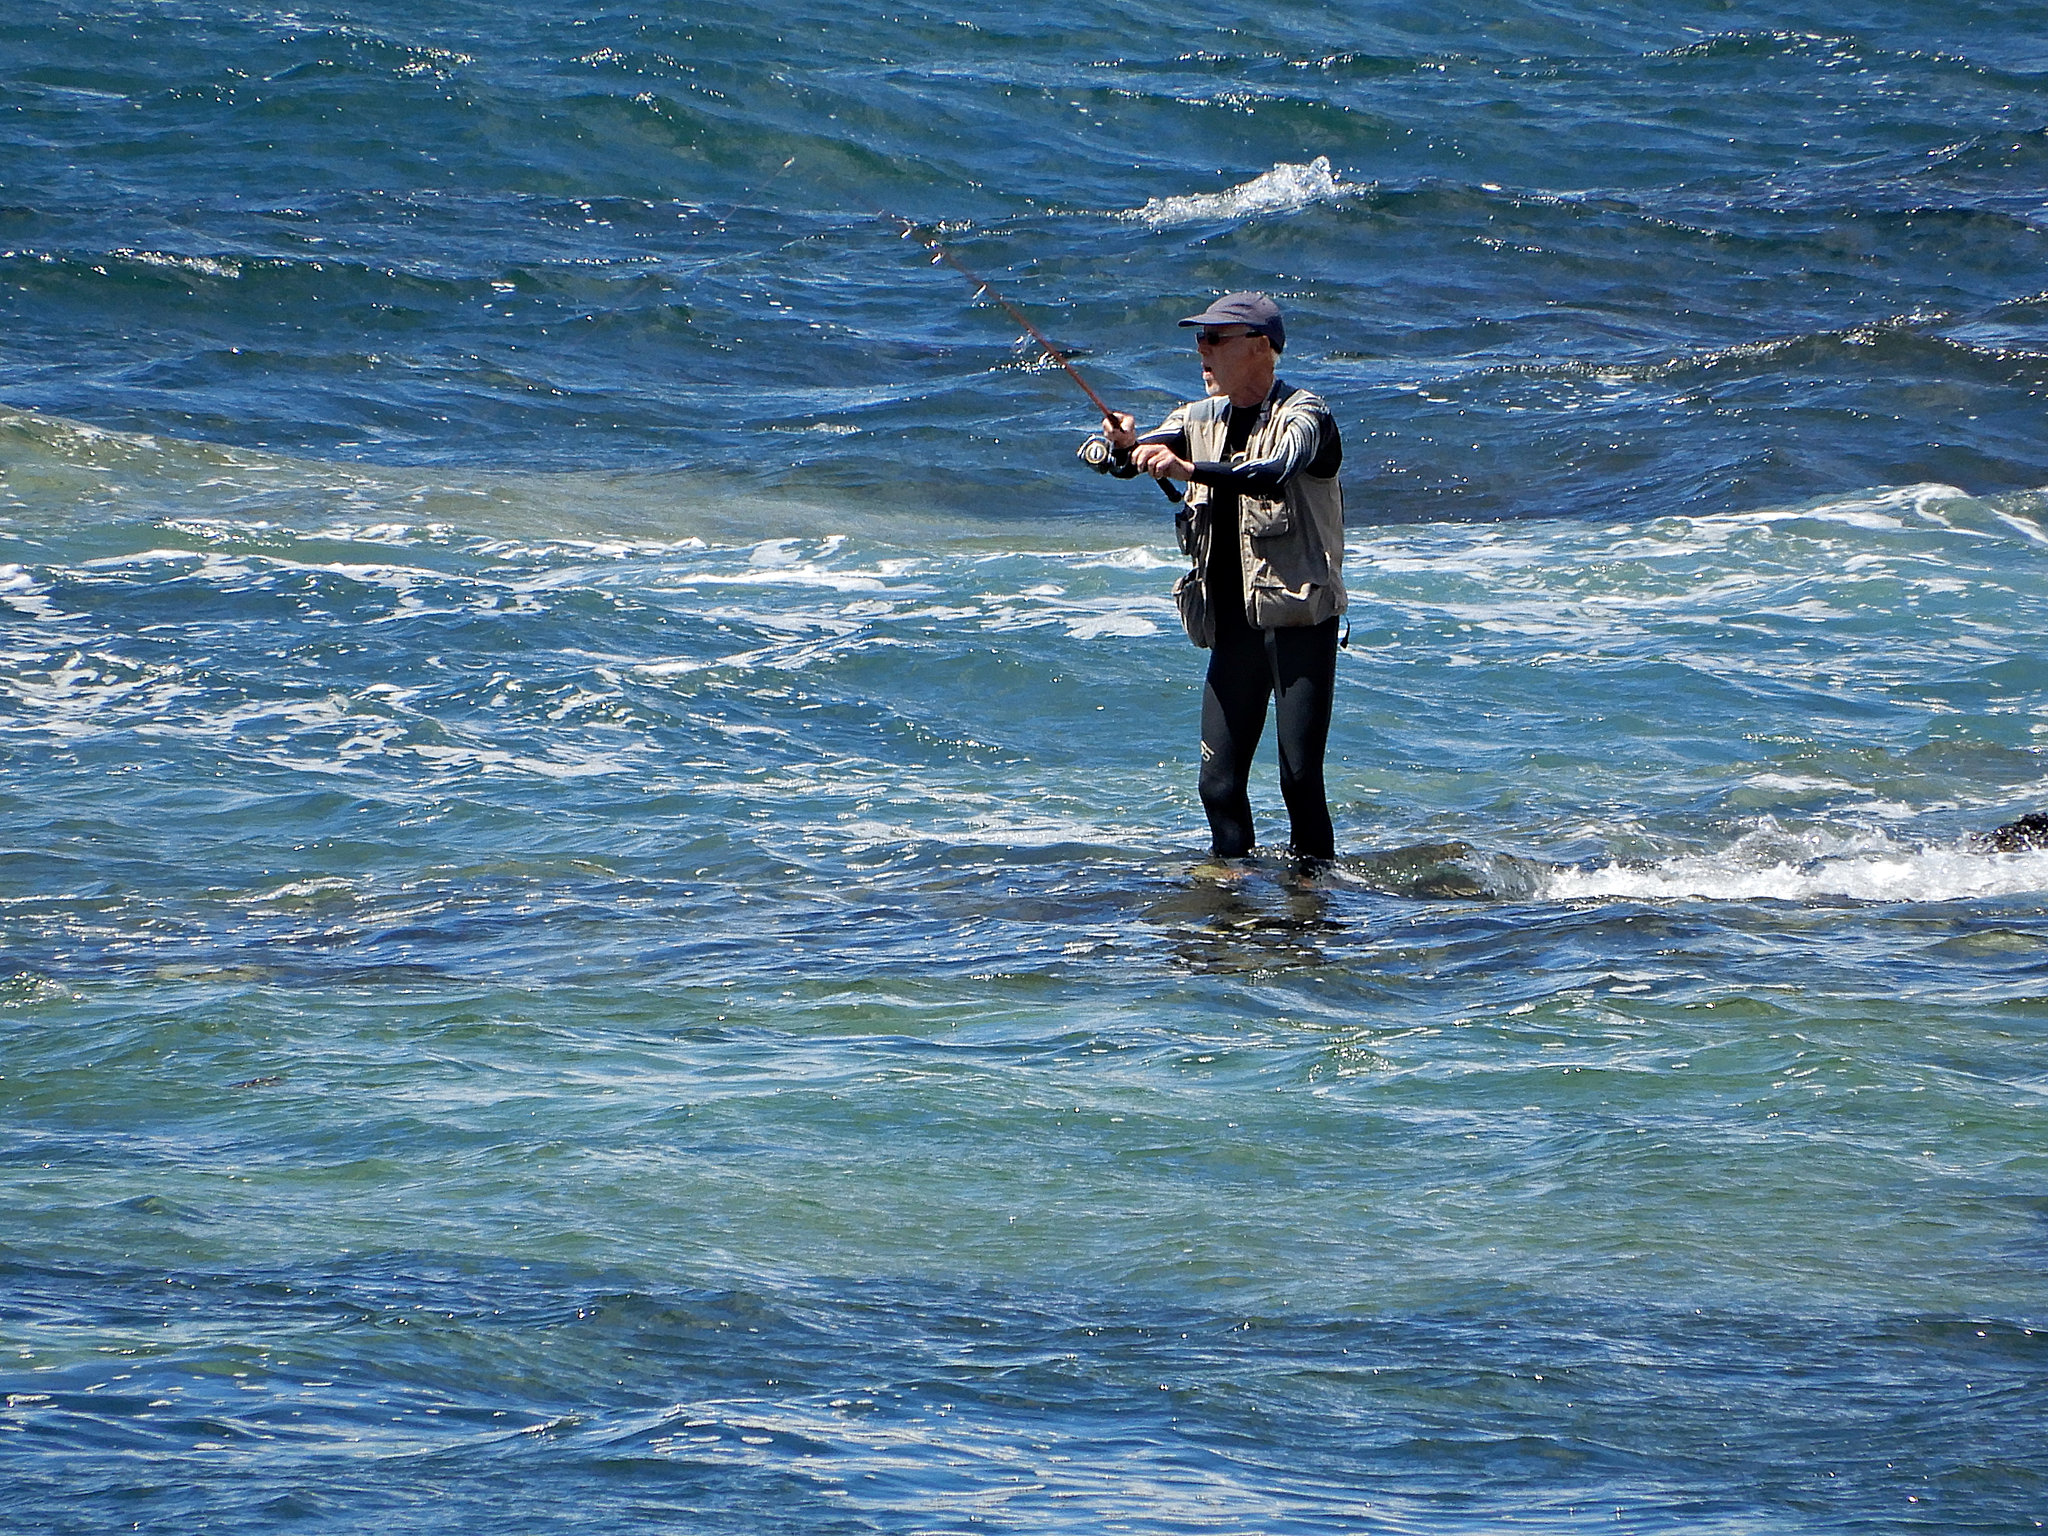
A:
{"x": 1161, "y": 462}
{"x": 1121, "y": 430}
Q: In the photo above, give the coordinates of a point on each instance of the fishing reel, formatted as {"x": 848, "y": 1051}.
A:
{"x": 1097, "y": 454}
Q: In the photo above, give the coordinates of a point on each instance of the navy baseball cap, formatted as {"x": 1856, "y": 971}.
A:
{"x": 1254, "y": 311}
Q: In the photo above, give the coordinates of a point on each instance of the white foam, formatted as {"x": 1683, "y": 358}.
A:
{"x": 21, "y": 592}
{"x": 1124, "y": 626}
{"x": 1135, "y": 558}
{"x": 1283, "y": 189}
{"x": 1093, "y": 618}
{"x": 78, "y": 697}
{"x": 878, "y": 579}
{"x": 2024, "y": 527}
{"x": 206, "y": 266}
{"x": 1767, "y": 866}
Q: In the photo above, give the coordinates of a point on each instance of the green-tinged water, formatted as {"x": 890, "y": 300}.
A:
{"x": 506, "y": 1025}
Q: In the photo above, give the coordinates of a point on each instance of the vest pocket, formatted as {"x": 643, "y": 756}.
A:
{"x": 1271, "y": 606}
{"x": 1287, "y": 580}
{"x": 1191, "y": 597}
{"x": 1264, "y": 519}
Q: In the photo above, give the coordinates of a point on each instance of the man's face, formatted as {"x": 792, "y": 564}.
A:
{"x": 1233, "y": 359}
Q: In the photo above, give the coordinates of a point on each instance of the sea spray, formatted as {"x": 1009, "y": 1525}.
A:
{"x": 1283, "y": 189}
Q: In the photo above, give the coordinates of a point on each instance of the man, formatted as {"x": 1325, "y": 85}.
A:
{"x": 1263, "y": 524}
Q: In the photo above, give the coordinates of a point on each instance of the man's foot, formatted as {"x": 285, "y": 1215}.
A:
{"x": 1221, "y": 869}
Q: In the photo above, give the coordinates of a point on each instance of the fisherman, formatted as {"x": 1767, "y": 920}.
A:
{"x": 1263, "y": 524}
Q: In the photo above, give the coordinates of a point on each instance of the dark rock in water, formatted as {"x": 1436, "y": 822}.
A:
{"x": 2030, "y": 831}
{"x": 1426, "y": 870}
{"x": 157, "y": 1205}
{"x": 1447, "y": 872}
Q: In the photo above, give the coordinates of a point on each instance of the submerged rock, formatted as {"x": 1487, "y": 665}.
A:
{"x": 1447, "y": 871}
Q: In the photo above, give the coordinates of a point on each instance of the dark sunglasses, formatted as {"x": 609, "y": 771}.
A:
{"x": 1217, "y": 338}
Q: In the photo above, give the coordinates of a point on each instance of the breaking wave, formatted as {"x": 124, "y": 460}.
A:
{"x": 1769, "y": 864}
{"x": 1283, "y": 189}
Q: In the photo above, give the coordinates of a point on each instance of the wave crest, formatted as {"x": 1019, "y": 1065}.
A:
{"x": 1771, "y": 865}
{"x": 1283, "y": 189}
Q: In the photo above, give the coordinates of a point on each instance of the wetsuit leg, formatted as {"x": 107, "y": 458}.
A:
{"x": 1233, "y": 715}
{"x": 1304, "y": 681}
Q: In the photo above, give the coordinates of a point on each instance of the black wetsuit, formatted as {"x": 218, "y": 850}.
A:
{"x": 1295, "y": 667}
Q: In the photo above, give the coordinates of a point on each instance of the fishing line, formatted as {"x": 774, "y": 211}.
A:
{"x": 981, "y": 286}
{"x": 732, "y": 208}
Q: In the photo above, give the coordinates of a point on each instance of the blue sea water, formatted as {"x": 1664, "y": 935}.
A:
{"x": 605, "y": 916}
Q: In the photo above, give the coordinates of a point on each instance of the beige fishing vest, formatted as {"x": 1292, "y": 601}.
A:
{"x": 1291, "y": 546}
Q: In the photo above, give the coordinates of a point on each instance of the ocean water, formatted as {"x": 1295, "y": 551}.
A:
{"x": 606, "y": 923}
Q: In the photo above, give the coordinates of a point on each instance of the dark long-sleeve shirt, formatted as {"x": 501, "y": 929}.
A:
{"x": 1309, "y": 444}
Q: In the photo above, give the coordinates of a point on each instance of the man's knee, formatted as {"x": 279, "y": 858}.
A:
{"x": 1304, "y": 788}
{"x": 1218, "y": 782}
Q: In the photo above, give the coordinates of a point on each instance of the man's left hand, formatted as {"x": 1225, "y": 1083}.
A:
{"x": 1161, "y": 462}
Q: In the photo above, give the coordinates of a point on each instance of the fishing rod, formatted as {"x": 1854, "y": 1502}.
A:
{"x": 1100, "y": 459}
